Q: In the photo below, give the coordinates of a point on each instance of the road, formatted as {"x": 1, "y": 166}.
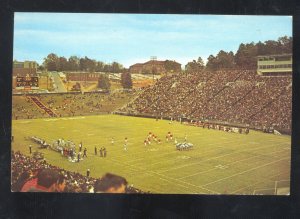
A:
{"x": 59, "y": 86}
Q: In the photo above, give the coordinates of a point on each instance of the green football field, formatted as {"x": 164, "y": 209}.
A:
{"x": 219, "y": 163}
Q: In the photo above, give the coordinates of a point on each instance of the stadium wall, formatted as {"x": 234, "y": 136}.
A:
{"x": 223, "y": 123}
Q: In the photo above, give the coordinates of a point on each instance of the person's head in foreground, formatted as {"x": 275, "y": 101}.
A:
{"x": 48, "y": 180}
{"x": 110, "y": 183}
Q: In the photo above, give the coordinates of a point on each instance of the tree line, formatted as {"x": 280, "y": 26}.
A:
{"x": 105, "y": 84}
{"x": 55, "y": 63}
{"x": 74, "y": 63}
{"x": 245, "y": 57}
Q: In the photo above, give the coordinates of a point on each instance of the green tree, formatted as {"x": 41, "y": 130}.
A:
{"x": 91, "y": 64}
{"x": 87, "y": 64}
{"x": 261, "y": 48}
{"x": 107, "y": 68}
{"x": 116, "y": 67}
{"x": 223, "y": 60}
{"x": 286, "y": 44}
{"x": 103, "y": 82}
{"x": 51, "y": 62}
{"x": 73, "y": 63}
{"x": 83, "y": 65}
{"x": 62, "y": 64}
{"x": 211, "y": 63}
{"x": 126, "y": 80}
{"x": 247, "y": 53}
{"x": 41, "y": 68}
{"x": 200, "y": 62}
{"x": 195, "y": 66}
{"x": 99, "y": 66}
{"x": 272, "y": 47}
{"x": 76, "y": 87}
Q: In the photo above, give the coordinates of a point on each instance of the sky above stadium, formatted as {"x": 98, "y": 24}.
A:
{"x": 134, "y": 38}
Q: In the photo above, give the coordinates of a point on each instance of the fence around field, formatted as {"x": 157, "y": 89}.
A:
{"x": 213, "y": 122}
{"x": 178, "y": 118}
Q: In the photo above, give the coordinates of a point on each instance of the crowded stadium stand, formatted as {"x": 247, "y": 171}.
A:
{"x": 25, "y": 168}
{"x": 68, "y": 104}
{"x": 231, "y": 96}
{"x": 24, "y": 108}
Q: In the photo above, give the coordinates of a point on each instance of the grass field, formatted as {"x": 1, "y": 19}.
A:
{"x": 219, "y": 163}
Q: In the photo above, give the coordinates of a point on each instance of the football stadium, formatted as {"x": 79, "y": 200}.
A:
{"x": 220, "y": 127}
{"x": 233, "y": 149}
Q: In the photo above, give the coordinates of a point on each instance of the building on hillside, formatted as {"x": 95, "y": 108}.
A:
{"x": 155, "y": 67}
{"x": 275, "y": 65}
{"x": 82, "y": 76}
{"x": 26, "y": 68}
{"x": 136, "y": 68}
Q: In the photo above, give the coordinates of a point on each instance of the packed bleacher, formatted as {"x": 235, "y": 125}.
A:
{"x": 24, "y": 108}
{"x": 68, "y": 104}
{"x": 25, "y": 168}
{"x": 232, "y": 96}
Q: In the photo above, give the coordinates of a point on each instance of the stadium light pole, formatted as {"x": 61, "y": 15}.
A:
{"x": 153, "y": 58}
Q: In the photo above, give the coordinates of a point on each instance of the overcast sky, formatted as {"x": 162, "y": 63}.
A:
{"x": 132, "y": 38}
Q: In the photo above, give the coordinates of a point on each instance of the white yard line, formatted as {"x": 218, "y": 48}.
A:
{"x": 237, "y": 161}
{"x": 245, "y": 171}
{"x": 175, "y": 151}
{"x": 168, "y": 179}
{"x": 173, "y": 146}
{"x": 172, "y": 152}
{"x": 183, "y": 182}
{"x": 243, "y": 188}
{"x": 212, "y": 158}
{"x": 171, "y": 180}
{"x": 263, "y": 190}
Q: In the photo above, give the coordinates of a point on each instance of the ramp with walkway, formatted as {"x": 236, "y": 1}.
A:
{"x": 43, "y": 107}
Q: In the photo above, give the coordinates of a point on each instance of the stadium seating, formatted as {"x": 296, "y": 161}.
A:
{"x": 232, "y": 96}
{"x": 68, "y": 104}
{"x": 22, "y": 165}
{"x": 236, "y": 96}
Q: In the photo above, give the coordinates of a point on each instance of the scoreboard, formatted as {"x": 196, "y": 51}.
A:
{"x": 27, "y": 82}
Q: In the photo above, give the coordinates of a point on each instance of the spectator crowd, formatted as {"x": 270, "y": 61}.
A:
{"x": 233, "y": 96}
{"x": 33, "y": 175}
{"x": 68, "y": 104}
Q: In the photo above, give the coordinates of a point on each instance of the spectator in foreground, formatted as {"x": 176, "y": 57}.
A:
{"x": 47, "y": 180}
{"x": 110, "y": 183}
